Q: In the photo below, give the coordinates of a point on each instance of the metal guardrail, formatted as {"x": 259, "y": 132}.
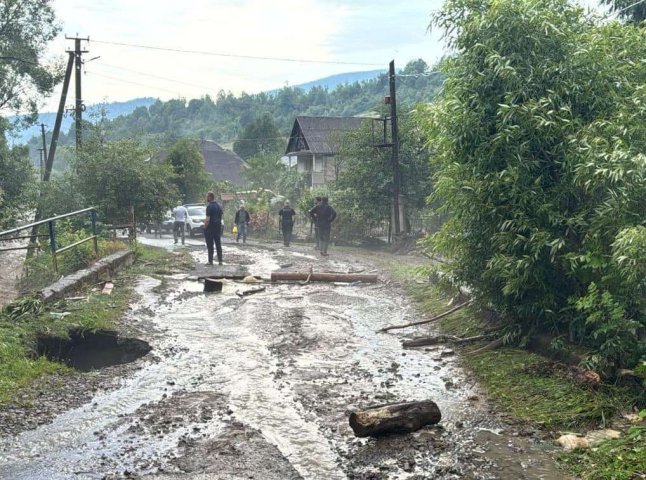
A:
{"x": 52, "y": 235}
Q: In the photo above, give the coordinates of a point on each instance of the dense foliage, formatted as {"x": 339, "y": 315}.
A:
{"x": 259, "y": 137}
{"x": 16, "y": 180}
{"x": 366, "y": 177}
{"x": 26, "y": 26}
{"x": 190, "y": 176}
{"x": 539, "y": 156}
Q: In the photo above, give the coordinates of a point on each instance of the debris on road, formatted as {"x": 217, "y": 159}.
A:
{"x": 323, "y": 277}
{"x": 429, "y": 320}
{"x": 251, "y": 291}
{"x": 212, "y": 285}
{"x": 425, "y": 341}
{"x": 402, "y": 417}
{"x": 107, "y": 288}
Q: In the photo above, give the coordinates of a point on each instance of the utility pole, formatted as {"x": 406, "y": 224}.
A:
{"x": 78, "y": 65}
{"x": 49, "y": 160}
{"x": 42, "y": 131}
{"x": 40, "y": 157}
{"x": 395, "y": 150}
{"x": 59, "y": 118}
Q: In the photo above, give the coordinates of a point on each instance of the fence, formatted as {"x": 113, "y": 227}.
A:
{"x": 11, "y": 235}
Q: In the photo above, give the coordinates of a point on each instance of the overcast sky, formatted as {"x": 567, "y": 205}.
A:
{"x": 358, "y": 34}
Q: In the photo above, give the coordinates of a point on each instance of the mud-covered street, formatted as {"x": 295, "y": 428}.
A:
{"x": 261, "y": 386}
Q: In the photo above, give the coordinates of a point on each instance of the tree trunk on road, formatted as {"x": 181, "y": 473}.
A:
{"x": 323, "y": 277}
{"x": 403, "y": 417}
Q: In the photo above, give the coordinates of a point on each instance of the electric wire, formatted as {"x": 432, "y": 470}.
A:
{"x": 234, "y": 55}
{"x": 617, "y": 12}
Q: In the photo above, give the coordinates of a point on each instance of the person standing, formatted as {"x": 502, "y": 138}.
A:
{"x": 312, "y": 214}
{"x": 242, "y": 222}
{"x": 325, "y": 215}
{"x": 213, "y": 227}
{"x": 180, "y": 215}
{"x": 286, "y": 217}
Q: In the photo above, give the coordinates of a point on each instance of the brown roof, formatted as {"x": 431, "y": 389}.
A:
{"x": 316, "y": 134}
{"x": 222, "y": 164}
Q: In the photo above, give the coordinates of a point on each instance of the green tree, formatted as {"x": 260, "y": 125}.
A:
{"x": 118, "y": 175}
{"x": 539, "y": 158}
{"x": 26, "y": 26}
{"x": 264, "y": 170}
{"x": 16, "y": 180}
{"x": 366, "y": 172}
{"x": 259, "y": 137}
{"x": 190, "y": 177}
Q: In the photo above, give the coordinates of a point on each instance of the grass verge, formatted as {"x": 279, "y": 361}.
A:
{"x": 549, "y": 401}
{"x": 24, "y": 320}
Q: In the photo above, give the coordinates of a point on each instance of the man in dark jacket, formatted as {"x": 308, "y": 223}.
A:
{"x": 242, "y": 222}
{"x": 213, "y": 227}
{"x": 324, "y": 215}
{"x": 286, "y": 222}
{"x": 312, "y": 214}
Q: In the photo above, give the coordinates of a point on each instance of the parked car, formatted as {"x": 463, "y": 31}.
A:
{"x": 195, "y": 220}
{"x": 168, "y": 222}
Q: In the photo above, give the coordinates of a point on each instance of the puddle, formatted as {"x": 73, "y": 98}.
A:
{"x": 92, "y": 350}
{"x": 288, "y": 363}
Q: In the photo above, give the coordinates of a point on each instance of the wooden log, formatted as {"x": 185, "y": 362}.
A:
{"x": 323, "y": 277}
{"x": 424, "y": 341}
{"x": 403, "y": 417}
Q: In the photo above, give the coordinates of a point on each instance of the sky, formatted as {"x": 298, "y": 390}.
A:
{"x": 352, "y": 35}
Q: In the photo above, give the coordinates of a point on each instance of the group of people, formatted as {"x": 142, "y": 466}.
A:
{"x": 322, "y": 216}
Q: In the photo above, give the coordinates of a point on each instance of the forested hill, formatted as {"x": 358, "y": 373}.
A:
{"x": 221, "y": 119}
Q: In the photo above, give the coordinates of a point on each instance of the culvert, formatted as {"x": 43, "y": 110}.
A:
{"x": 92, "y": 350}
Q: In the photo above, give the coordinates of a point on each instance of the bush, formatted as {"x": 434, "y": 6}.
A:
{"x": 538, "y": 150}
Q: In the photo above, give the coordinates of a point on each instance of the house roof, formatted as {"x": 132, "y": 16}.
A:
{"x": 316, "y": 134}
{"x": 222, "y": 164}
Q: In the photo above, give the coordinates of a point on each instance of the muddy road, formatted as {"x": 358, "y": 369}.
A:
{"x": 261, "y": 387}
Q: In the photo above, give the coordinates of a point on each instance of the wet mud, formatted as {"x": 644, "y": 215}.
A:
{"x": 262, "y": 386}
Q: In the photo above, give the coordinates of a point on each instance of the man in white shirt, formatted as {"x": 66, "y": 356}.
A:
{"x": 179, "y": 225}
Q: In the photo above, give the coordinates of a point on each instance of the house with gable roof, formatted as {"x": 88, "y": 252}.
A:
{"x": 313, "y": 145}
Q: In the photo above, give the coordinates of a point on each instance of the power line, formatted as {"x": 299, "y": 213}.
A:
{"x": 145, "y": 74}
{"x": 628, "y": 7}
{"x": 234, "y": 55}
{"x": 174, "y": 92}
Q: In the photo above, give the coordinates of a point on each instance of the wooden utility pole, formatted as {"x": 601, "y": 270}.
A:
{"x": 42, "y": 132}
{"x": 78, "y": 105}
{"x": 395, "y": 150}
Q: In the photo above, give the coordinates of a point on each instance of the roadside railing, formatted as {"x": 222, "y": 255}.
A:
{"x": 9, "y": 235}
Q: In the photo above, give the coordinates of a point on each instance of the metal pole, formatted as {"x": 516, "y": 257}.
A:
{"x": 395, "y": 150}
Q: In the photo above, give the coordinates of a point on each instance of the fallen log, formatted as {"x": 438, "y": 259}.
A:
{"x": 403, "y": 417}
{"x": 323, "y": 277}
{"x": 424, "y": 341}
{"x": 429, "y": 320}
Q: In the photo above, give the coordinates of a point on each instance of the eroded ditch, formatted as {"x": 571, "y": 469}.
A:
{"x": 261, "y": 386}
{"x": 87, "y": 351}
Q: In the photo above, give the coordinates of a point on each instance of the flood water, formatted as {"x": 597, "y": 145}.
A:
{"x": 290, "y": 363}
